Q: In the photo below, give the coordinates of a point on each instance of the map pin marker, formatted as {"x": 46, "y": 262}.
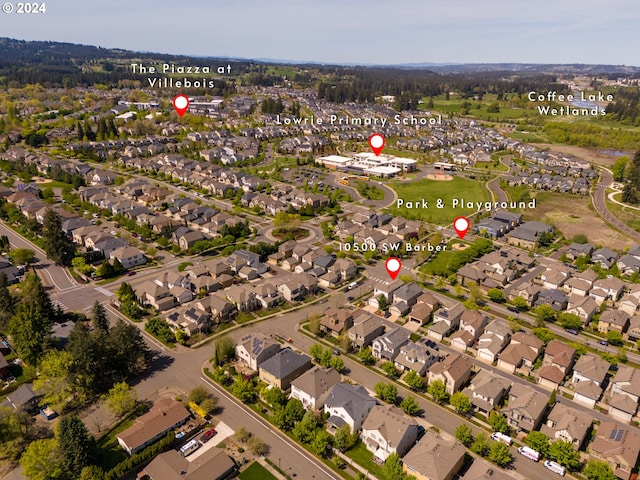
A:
{"x": 393, "y": 266}
{"x": 461, "y": 226}
{"x": 181, "y": 104}
{"x": 376, "y": 142}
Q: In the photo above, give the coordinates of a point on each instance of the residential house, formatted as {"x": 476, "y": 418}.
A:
{"x": 242, "y": 297}
{"x": 212, "y": 464}
{"x": 557, "y": 362}
{"x": 588, "y": 377}
{"x": 348, "y": 404}
{"x": 434, "y": 458}
{"x": 625, "y": 393}
{"x": 567, "y": 424}
{"x": 255, "y": 348}
{"x": 526, "y": 408}
{"x": 486, "y": 391}
{"x": 220, "y": 309}
{"x": 454, "y": 371}
{"x": 165, "y": 415}
{"x": 387, "y": 346}
{"x": 280, "y": 369}
{"x": 583, "y": 307}
{"x": 445, "y": 321}
{"x": 522, "y": 353}
{"x": 613, "y": 320}
{"x": 268, "y": 295}
{"x": 482, "y": 470}
{"x": 313, "y": 386}
{"x": 605, "y": 257}
{"x": 336, "y": 320}
{"x": 496, "y": 335}
{"x": 387, "y": 430}
{"x": 417, "y": 356}
{"x": 629, "y": 304}
{"x": 158, "y": 296}
{"x": 577, "y": 250}
{"x": 607, "y": 289}
{"x": 366, "y": 328}
{"x": 633, "y": 332}
{"x": 23, "y": 399}
{"x": 619, "y": 446}
{"x": 129, "y": 257}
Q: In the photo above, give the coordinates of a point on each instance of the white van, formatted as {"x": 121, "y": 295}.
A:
{"x": 555, "y": 467}
{"x": 530, "y": 453}
{"x": 190, "y": 447}
{"x": 352, "y": 285}
{"x": 501, "y": 437}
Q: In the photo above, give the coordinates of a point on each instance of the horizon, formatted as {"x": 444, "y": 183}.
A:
{"x": 575, "y": 32}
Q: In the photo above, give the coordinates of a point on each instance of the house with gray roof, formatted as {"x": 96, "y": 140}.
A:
{"x": 365, "y": 329}
{"x": 283, "y": 367}
{"x": 387, "y": 346}
{"x": 255, "y": 348}
{"x": 313, "y": 386}
{"x": 348, "y": 404}
{"x": 387, "y": 430}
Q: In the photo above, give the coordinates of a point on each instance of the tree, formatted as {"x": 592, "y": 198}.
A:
{"x": 382, "y": 302}
{"x": 618, "y": 169}
{"x": 386, "y": 392}
{"x": 464, "y": 434}
{"x": 538, "y": 441}
{"x": 338, "y": 364}
{"x": 414, "y": 380}
{"x": 316, "y": 351}
{"x": 614, "y": 337}
{"x": 343, "y": 439}
{"x": 305, "y": 429}
{"x": 392, "y": 469}
{"x": 257, "y": 446}
{"x": 92, "y": 472}
{"x": 34, "y": 292}
{"x": 438, "y": 391}
{"x": 520, "y": 303}
{"x": 294, "y": 411}
{"x": 321, "y": 443}
{"x": 209, "y": 404}
{"x": 273, "y": 396}
{"x": 225, "y": 349}
{"x": 410, "y": 406}
{"x": 121, "y": 399}
{"x": 56, "y": 244}
{"x": 499, "y": 453}
{"x": 366, "y": 356}
{"x": 22, "y": 256}
{"x": 42, "y": 460}
{"x": 499, "y": 423}
{"x": 29, "y": 328}
{"x": 544, "y": 314}
{"x": 598, "y": 470}
{"x": 198, "y": 394}
{"x": 621, "y": 354}
{"x": 570, "y": 320}
{"x": 242, "y": 435}
{"x": 563, "y": 453}
{"x": 460, "y": 402}
{"x": 75, "y": 443}
{"x": 389, "y": 369}
{"x": 544, "y": 334}
{"x": 480, "y": 444}
{"x": 7, "y": 302}
{"x": 100, "y": 320}
{"x": 243, "y": 389}
{"x": 496, "y": 295}
{"x": 54, "y": 381}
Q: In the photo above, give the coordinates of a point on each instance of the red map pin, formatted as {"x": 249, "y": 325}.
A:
{"x": 181, "y": 104}
{"x": 376, "y": 142}
{"x": 393, "y": 266}
{"x": 461, "y": 226}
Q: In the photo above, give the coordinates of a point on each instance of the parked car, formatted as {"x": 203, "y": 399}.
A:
{"x": 208, "y": 435}
{"x": 603, "y": 342}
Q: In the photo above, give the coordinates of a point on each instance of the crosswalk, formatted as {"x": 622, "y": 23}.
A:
{"x": 374, "y": 279}
{"x": 58, "y": 304}
{"x": 104, "y": 292}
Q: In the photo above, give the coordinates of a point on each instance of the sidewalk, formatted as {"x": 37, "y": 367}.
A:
{"x": 271, "y": 470}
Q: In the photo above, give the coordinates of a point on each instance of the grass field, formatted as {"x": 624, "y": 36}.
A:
{"x": 432, "y": 191}
{"x": 573, "y": 215}
{"x": 255, "y": 471}
{"x": 628, "y": 215}
{"x": 478, "y": 109}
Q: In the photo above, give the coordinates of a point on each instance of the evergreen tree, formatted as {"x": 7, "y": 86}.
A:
{"x": 76, "y": 445}
{"x": 33, "y": 292}
{"x": 100, "y": 320}
{"x": 128, "y": 350}
{"x": 7, "y": 302}
{"x": 631, "y": 192}
{"x": 56, "y": 244}
{"x": 91, "y": 362}
{"x": 80, "y": 131}
{"x": 29, "y": 329}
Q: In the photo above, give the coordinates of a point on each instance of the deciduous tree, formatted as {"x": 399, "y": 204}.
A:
{"x": 499, "y": 453}
{"x": 464, "y": 434}
{"x": 564, "y": 453}
{"x": 121, "y": 399}
{"x": 460, "y": 402}
{"x": 438, "y": 391}
{"x": 410, "y": 406}
{"x": 42, "y": 461}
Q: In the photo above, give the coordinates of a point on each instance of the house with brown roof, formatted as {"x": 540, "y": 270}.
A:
{"x": 633, "y": 332}
{"x": 521, "y": 353}
{"x": 619, "y": 446}
{"x": 613, "y": 320}
{"x": 336, "y": 320}
{"x": 434, "y": 458}
{"x": 454, "y": 371}
{"x": 567, "y": 424}
{"x": 486, "y": 391}
{"x": 557, "y": 362}
{"x": 482, "y": 470}
{"x": 158, "y": 296}
{"x": 313, "y": 386}
{"x": 526, "y": 408}
{"x": 625, "y": 393}
{"x": 583, "y": 307}
{"x": 387, "y": 430}
{"x": 214, "y": 464}
{"x": 366, "y": 328}
{"x": 165, "y": 415}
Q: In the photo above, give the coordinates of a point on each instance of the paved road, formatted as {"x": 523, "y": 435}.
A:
{"x": 52, "y": 274}
{"x": 599, "y": 202}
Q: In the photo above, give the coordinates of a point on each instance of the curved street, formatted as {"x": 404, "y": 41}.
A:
{"x": 598, "y": 198}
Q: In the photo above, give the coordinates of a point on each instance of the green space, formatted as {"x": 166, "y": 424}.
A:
{"x": 111, "y": 453}
{"x": 290, "y": 233}
{"x": 368, "y": 190}
{"x": 433, "y": 190}
{"x": 364, "y": 458}
{"x": 483, "y": 109}
{"x": 255, "y": 471}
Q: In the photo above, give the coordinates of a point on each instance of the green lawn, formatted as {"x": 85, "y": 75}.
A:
{"x": 364, "y": 458}
{"x": 111, "y": 453}
{"x": 432, "y": 191}
{"x": 478, "y": 109}
{"x": 255, "y": 471}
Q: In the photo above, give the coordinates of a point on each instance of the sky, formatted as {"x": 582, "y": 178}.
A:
{"x": 349, "y": 31}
